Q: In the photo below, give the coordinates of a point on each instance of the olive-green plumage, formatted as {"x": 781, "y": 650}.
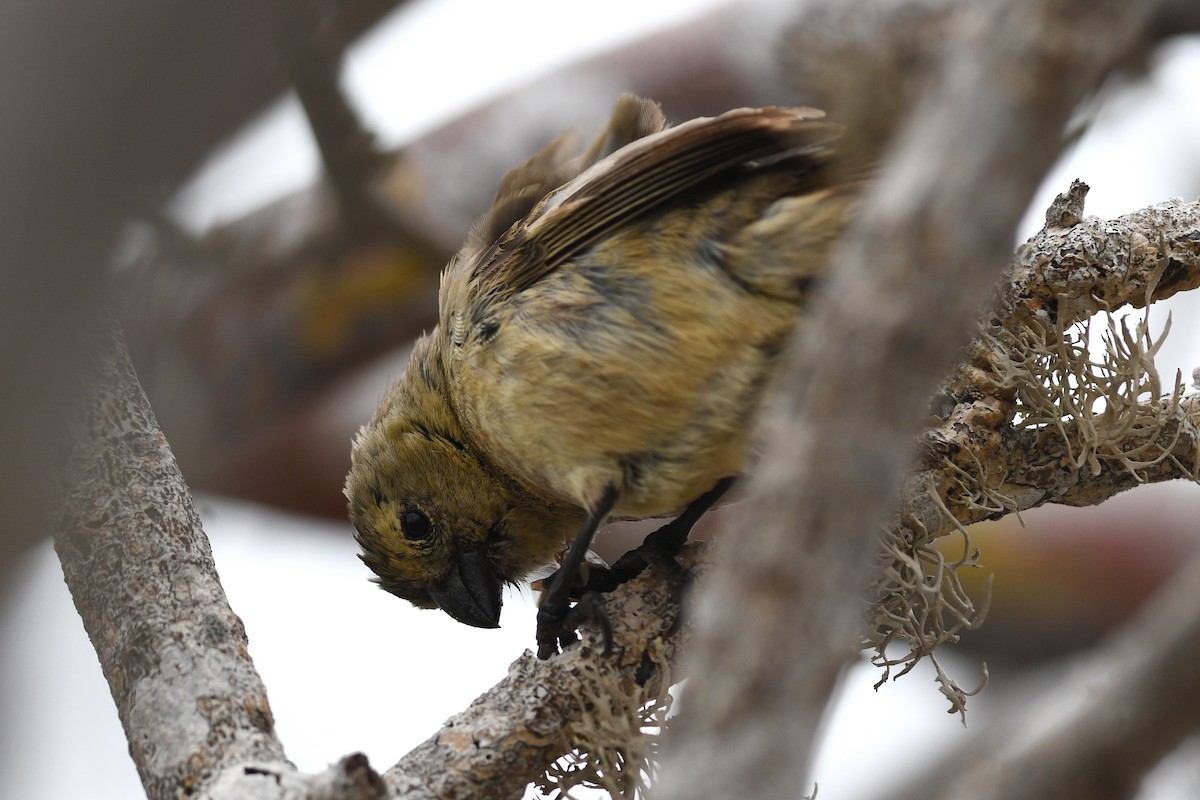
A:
{"x": 609, "y": 326}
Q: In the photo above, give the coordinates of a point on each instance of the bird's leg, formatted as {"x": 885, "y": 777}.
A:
{"x": 557, "y": 621}
{"x": 659, "y": 548}
{"x": 552, "y": 623}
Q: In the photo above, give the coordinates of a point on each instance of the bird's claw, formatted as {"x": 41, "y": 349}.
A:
{"x": 556, "y": 629}
{"x": 552, "y": 633}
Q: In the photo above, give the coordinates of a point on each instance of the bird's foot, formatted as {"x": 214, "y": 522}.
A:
{"x": 556, "y": 626}
{"x": 556, "y": 631}
{"x": 557, "y": 619}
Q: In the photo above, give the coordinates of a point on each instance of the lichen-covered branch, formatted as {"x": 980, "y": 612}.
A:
{"x": 1032, "y": 417}
{"x": 1058, "y": 278}
{"x": 582, "y": 700}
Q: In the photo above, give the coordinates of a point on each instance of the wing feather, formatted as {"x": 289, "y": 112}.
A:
{"x": 643, "y": 176}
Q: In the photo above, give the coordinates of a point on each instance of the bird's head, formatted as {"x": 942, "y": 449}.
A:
{"x": 438, "y": 526}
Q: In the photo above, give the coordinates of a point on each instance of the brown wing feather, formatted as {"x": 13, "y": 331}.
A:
{"x": 637, "y": 179}
{"x": 520, "y": 191}
{"x": 557, "y": 163}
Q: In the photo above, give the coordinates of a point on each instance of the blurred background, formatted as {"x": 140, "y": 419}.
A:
{"x": 272, "y": 245}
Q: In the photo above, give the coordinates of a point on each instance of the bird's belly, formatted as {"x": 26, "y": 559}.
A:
{"x": 657, "y": 402}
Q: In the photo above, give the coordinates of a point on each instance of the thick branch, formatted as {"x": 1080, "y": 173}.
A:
{"x": 1042, "y": 477}
{"x": 777, "y": 622}
{"x": 142, "y": 577}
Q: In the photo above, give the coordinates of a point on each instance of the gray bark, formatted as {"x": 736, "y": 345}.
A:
{"x": 778, "y": 622}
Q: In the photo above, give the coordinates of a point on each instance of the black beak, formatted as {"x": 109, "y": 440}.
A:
{"x": 471, "y": 592}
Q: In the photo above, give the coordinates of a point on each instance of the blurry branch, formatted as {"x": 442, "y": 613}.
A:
{"x": 778, "y": 621}
{"x": 193, "y": 708}
{"x": 354, "y": 166}
{"x": 1171, "y": 18}
{"x": 352, "y": 163}
{"x": 1116, "y": 714}
{"x": 836, "y": 52}
{"x": 242, "y": 328}
{"x": 106, "y": 107}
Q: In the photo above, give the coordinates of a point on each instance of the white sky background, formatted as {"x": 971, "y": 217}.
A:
{"x": 347, "y": 666}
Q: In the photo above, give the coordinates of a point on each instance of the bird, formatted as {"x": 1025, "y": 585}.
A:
{"x": 604, "y": 339}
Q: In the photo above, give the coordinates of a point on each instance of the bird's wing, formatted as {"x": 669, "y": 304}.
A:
{"x": 637, "y": 179}
{"x": 557, "y": 164}
{"x": 528, "y": 183}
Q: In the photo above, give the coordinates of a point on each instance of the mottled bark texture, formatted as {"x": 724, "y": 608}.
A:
{"x": 142, "y": 576}
{"x": 778, "y": 622}
{"x": 1031, "y": 417}
{"x": 1058, "y": 278}
{"x": 580, "y": 699}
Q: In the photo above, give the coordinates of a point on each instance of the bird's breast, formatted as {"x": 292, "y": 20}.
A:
{"x": 625, "y": 369}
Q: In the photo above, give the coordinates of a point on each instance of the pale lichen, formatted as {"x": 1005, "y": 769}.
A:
{"x": 1096, "y": 402}
{"x": 616, "y": 738}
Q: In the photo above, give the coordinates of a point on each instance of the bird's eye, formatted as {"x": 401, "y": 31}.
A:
{"x": 416, "y": 525}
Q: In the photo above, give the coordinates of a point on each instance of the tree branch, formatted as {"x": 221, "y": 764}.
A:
{"x": 777, "y": 622}
{"x": 142, "y": 577}
{"x": 544, "y": 709}
{"x": 1059, "y": 277}
{"x": 1031, "y": 417}
{"x": 175, "y": 655}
